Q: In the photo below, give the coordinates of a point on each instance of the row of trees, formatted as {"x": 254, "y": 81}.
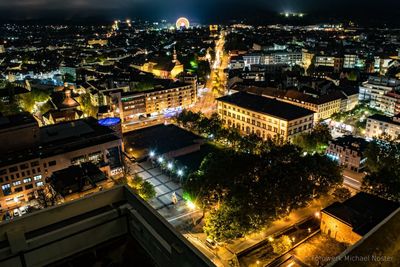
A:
{"x": 383, "y": 168}
{"x": 212, "y": 128}
{"x": 243, "y": 192}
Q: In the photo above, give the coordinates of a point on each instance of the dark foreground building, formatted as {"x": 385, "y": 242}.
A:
{"x": 113, "y": 228}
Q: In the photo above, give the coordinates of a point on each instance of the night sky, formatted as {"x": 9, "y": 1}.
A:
{"x": 197, "y": 10}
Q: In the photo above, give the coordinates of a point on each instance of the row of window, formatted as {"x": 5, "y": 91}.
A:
{"x": 22, "y": 167}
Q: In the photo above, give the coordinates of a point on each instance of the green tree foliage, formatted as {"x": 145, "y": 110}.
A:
{"x": 86, "y": 105}
{"x": 281, "y": 245}
{"x": 259, "y": 187}
{"x": 143, "y": 188}
{"x": 383, "y": 166}
{"x": 315, "y": 141}
{"x": 213, "y": 128}
{"x": 36, "y": 96}
{"x": 341, "y": 194}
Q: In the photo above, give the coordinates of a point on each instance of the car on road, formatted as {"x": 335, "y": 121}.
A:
{"x": 211, "y": 243}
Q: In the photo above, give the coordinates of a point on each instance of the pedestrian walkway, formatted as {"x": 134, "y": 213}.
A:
{"x": 165, "y": 187}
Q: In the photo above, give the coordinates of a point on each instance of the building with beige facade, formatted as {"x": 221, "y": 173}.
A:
{"x": 380, "y": 126}
{"x": 160, "y": 100}
{"x": 349, "y": 221}
{"x": 265, "y": 117}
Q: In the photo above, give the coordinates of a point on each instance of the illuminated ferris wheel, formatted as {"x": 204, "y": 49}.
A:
{"x": 182, "y": 23}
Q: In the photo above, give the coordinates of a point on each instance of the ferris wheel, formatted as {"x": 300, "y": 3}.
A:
{"x": 182, "y": 23}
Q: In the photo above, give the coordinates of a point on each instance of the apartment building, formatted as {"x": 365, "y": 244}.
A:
{"x": 380, "y": 126}
{"x": 160, "y": 100}
{"x": 348, "y": 151}
{"x": 267, "y": 118}
{"x": 375, "y": 89}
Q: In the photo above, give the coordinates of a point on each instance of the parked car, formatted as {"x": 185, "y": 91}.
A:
{"x": 211, "y": 243}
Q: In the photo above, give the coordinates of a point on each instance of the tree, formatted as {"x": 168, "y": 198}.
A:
{"x": 383, "y": 166}
{"x": 87, "y": 106}
{"x": 143, "y": 188}
{"x": 315, "y": 141}
{"x": 281, "y": 245}
{"x": 227, "y": 222}
{"x": 47, "y": 197}
{"x": 341, "y": 194}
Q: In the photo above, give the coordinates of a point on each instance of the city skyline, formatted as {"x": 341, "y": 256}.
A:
{"x": 200, "y": 11}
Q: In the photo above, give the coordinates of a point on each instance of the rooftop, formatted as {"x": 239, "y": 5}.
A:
{"x": 62, "y": 233}
{"x": 76, "y": 178}
{"x": 383, "y": 118}
{"x": 159, "y": 138}
{"x": 267, "y": 106}
{"x": 13, "y": 121}
{"x": 349, "y": 141}
{"x": 362, "y": 211}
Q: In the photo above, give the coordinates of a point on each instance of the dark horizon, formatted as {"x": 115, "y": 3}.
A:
{"x": 206, "y": 11}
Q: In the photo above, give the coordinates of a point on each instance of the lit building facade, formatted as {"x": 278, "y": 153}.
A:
{"x": 380, "y": 126}
{"x": 23, "y": 171}
{"x": 348, "y": 151}
{"x": 375, "y": 89}
{"x": 133, "y": 105}
{"x": 267, "y": 118}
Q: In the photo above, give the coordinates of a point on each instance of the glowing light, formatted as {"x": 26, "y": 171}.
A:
{"x": 180, "y": 172}
{"x": 317, "y": 214}
{"x": 270, "y": 239}
{"x": 170, "y": 166}
{"x": 182, "y": 22}
{"x": 286, "y": 14}
{"x": 191, "y": 205}
{"x": 152, "y": 154}
{"x": 160, "y": 159}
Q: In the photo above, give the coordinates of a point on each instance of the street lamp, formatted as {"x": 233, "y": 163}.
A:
{"x": 317, "y": 215}
{"x": 160, "y": 160}
{"x": 191, "y": 205}
{"x": 170, "y": 166}
{"x": 152, "y": 154}
{"x": 180, "y": 172}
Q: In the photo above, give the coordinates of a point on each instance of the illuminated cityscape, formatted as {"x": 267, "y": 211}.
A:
{"x": 199, "y": 133}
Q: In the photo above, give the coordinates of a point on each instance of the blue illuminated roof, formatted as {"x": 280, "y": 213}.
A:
{"x": 110, "y": 121}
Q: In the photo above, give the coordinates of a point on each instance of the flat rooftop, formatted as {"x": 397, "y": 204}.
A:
{"x": 266, "y": 106}
{"x": 62, "y": 233}
{"x": 159, "y": 138}
{"x": 16, "y": 120}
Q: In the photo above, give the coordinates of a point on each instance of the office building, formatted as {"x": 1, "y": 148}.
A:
{"x": 267, "y": 118}
{"x": 53, "y": 148}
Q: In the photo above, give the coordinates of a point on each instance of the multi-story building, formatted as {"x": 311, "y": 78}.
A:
{"x": 348, "y": 151}
{"x": 376, "y": 88}
{"x": 265, "y": 117}
{"x": 380, "y": 126}
{"x": 161, "y": 100}
{"x": 324, "y": 105}
{"x": 115, "y": 224}
{"x": 52, "y": 148}
{"x": 390, "y": 103}
{"x": 272, "y": 58}
{"x": 350, "y": 61}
